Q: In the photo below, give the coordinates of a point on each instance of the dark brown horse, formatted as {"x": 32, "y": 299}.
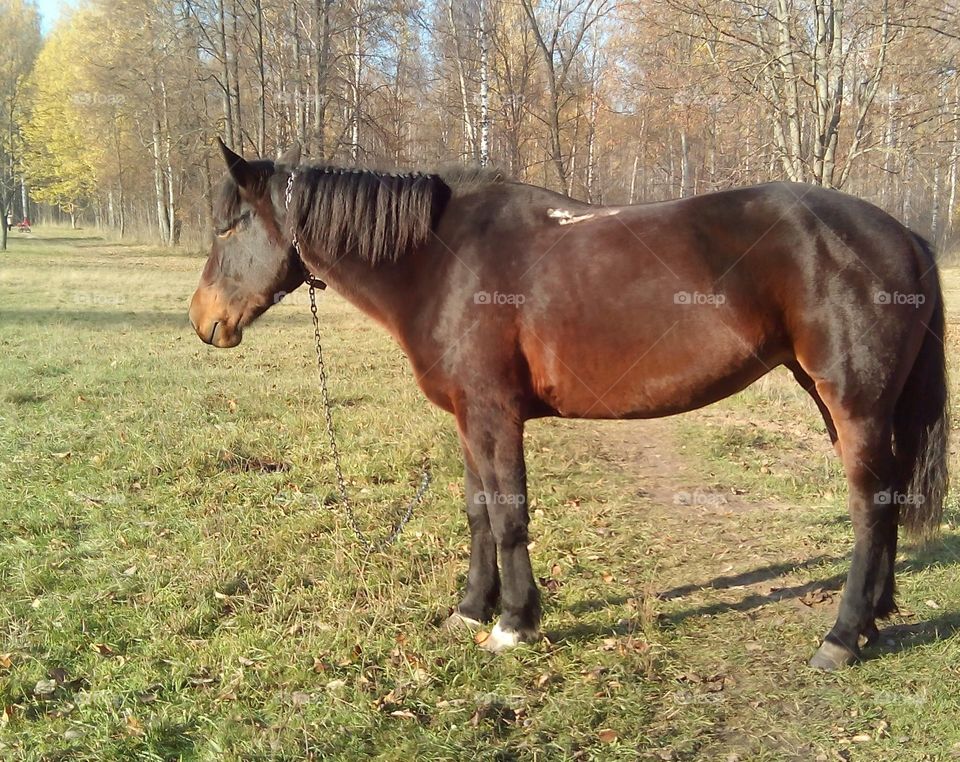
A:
{"x": 513, "y": 302}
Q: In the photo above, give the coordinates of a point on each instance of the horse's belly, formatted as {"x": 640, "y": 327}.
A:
{"x": 652, "y": 381}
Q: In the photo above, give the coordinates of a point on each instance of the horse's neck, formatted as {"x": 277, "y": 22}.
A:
{"x": 375, "y": 291}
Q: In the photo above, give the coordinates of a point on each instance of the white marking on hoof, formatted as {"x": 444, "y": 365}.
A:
{"x": 457, "y": 621}
{"x": 567, "y": 217}
{"x": 500, "y": 640}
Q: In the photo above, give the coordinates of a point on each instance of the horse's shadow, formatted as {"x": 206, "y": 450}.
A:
{"x": 893, "y": 638}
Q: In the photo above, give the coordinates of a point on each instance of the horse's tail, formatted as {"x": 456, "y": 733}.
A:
{"x": 921, "y": 421}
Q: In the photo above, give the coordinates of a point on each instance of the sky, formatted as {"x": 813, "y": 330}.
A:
{"x": 50, "y": 12}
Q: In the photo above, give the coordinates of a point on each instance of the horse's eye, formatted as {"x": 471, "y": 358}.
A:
{"x": 239, "y": 224}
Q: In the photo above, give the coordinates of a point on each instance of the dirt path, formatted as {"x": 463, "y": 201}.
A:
{"x": 705, "y": 528}
{"x": 736, "y": 585}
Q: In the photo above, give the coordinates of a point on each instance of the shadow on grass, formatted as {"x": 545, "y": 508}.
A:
{"x": 37, "y": 240}
{"x": 897, "y": 638}
{"x": 107, "y": 319}
{"x": 97, "y": 319}
{"x": 942, "y": 554}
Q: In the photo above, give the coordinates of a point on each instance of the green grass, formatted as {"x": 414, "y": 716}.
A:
{"x": 178, "y": 583}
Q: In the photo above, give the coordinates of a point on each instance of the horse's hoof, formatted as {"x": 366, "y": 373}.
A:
{"x": 500, "y": 640}
{"x": 831, "y": 656}
{"x": 457, "y": 623}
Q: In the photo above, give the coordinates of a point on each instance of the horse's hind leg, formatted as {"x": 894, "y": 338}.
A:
{"x": 868, "y": 460}
{"x": 810, "y": 387}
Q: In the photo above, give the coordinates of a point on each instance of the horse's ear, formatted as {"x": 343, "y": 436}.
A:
{"x": 240, "y": 170}
{"x": 290, "y": 157}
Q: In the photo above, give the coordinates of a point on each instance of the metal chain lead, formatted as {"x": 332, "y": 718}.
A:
{"x": 407, "y": 514}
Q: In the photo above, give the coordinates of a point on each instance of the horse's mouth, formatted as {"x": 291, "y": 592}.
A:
{"x": 219, "y": 335}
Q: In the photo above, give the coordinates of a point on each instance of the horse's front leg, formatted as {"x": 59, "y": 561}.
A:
{"x": 483, "y": 579}
{"x": 494, "y": 440}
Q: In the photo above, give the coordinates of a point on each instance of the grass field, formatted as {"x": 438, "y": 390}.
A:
{"x": 176, "y": 581}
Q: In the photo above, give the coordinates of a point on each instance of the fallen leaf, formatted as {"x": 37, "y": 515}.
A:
{"x": 550, "y": 584}
{"x": 816, "y": 596}
{"x": 589, "y": 675}
{"x": 6, "y": 661}
{"x": 45, "y": 687}
{"x": 607, "y": 735}
{"x": 59, "y": 674}
{"x": 861, "y": 738}
{"x": 714, "y": 684}
{"x": 931, "y": 604}
{"x": 546, "y": 679}
{"x": 134, "y": 728}
{"x": 480, "y": 637}
{"x": 102, "y": 648}
{"x": 201, "y": 679}
{"x": 405, "y": 714}
{"x": 608, "y": 577}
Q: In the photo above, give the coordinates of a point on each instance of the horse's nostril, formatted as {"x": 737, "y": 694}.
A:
{"x": 213, "y": 331}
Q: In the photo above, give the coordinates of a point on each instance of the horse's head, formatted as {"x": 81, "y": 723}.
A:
{"x": 252, "y": 263}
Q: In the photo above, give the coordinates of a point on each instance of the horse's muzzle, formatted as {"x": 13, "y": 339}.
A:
{"x": 211, "y": 325}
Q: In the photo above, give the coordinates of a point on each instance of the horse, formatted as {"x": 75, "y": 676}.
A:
{"x": 513, "y": 302}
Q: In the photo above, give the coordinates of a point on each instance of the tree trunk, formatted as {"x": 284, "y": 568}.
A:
{"x": 173, "y": 227}
{"x": 484, "y": 87}
{"x": 547, "y": 52}
{"x": 469, "y": 130}
{"x": 321, "y": 81}
{"x": 121, "y": 218}
{"x": 355, "y": 84}
{"x": 3, "y": 224}
{"x": 163, "y": 221}
{"x": 954, "y": 169}
{"x": 225, "y": 75}
{"x": 235, "y": 76}
{"x": 789, "y": 101}
{"x": 262, "y": 76}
